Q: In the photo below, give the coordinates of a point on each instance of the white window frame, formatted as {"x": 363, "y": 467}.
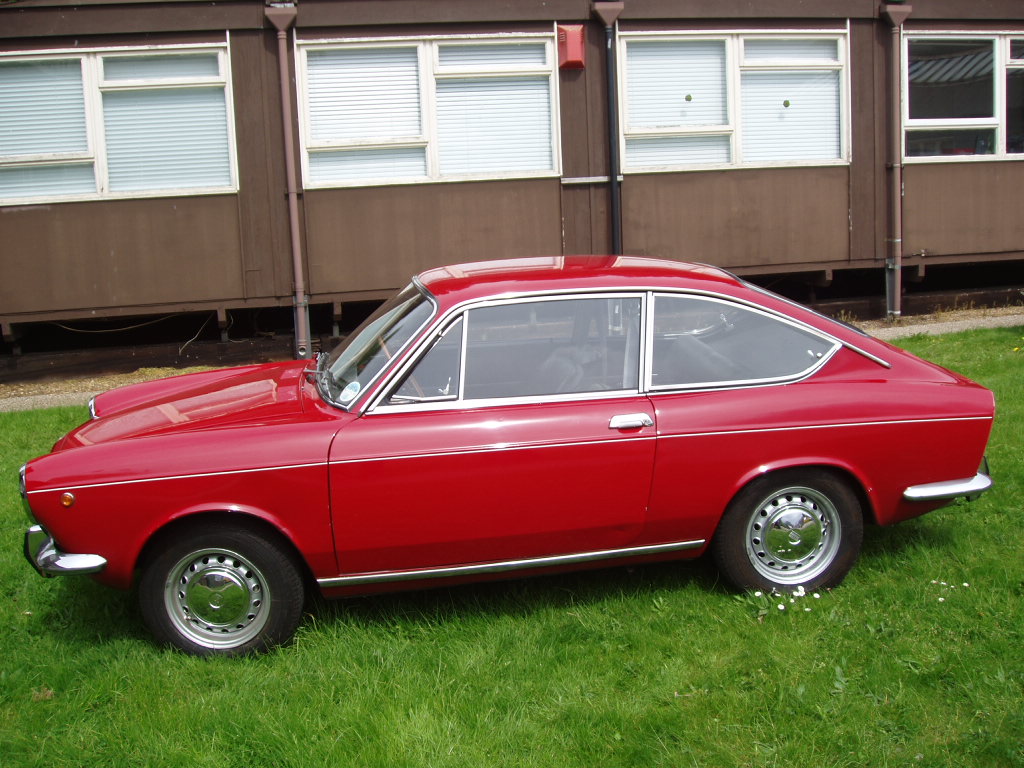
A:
{"x": 94, "y": 86}
{"x": 735, "y": 67}
{"x": 430, "y": 73}
{"x": 1002, "y": 64}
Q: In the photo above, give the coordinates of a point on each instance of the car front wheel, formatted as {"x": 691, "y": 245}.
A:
{"x": 790, "y": 529}
{"x": 221, "y": 590}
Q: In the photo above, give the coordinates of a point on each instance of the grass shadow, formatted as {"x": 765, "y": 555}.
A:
{"x": 521, "y": 596}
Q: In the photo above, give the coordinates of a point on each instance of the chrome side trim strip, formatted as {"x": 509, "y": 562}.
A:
{"x": 504, "y": 566}
{"x": 949, "y": 489}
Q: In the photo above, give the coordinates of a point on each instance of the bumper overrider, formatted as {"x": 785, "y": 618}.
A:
{"x": 44, "y": 556}
{"x": 969, "y": 488}
{"x": 42, "y": 552}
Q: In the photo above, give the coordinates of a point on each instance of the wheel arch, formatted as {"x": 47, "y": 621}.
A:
{"x": 241, "y": 519}
{"x": 842, "y": 472}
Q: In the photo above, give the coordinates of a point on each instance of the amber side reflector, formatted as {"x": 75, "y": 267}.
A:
{"x": 67, "y": 499}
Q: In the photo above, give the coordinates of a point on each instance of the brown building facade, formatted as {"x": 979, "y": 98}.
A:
{"x": 189, "y": 155}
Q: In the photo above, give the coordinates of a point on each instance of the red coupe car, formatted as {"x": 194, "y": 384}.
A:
{"x": 502, "y": 418}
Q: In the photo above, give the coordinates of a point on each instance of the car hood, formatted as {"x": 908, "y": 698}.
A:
{"x": 208, "y": 400}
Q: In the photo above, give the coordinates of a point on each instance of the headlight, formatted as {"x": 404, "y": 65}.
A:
{"x": 92, "y": 407}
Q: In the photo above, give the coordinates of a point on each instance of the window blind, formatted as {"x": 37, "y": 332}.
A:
{"x": 676, "y": 83}
{"x": 370, "y": 93}
{"x": 494, "y": 124}
{"x": 42, "y": 108}
{"x": 173, "y": 138}
{"x": 790, "y": 115}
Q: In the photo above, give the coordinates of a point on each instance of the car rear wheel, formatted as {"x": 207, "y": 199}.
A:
{"x": 221, "y": 590}
{"x": 790, "y": 529}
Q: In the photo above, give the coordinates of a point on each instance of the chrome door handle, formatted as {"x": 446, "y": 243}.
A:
{"x": 631, "y": 421}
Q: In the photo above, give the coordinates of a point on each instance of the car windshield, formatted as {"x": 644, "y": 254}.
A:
{"x": 354, "y": 363}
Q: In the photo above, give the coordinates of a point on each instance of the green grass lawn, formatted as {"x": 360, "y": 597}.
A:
{"x": 917, "y": 660}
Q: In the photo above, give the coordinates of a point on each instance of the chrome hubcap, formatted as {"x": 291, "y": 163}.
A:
{"x": 217, "y": 598}
{"x": 793, "y": 535}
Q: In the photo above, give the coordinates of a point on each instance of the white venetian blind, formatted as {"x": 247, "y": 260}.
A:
{"x": 42, "y": 108}
{"x": 157, "y": 67}
{"x": 47, "y": 180}
{"x": 671, "y": 150}
{"x": 175, "y": 138}
{"x": 795, "y": 49}
{"x": 790, "y": 115}
{"x": 42, "y": 112}
{"x": 494, "y": 124}
{"x": 675, "y": 83}
{"x": 367, "y": 93}
{"x": 491, "y": 55}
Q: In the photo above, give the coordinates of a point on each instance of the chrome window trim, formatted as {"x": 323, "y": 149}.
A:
{"x": 504, "y": 566}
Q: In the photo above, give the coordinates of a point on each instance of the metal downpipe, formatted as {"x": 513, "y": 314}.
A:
{"x": 896, "y": 15}
{"x": 283, "y": 16}
{"x": 609, "y": 12}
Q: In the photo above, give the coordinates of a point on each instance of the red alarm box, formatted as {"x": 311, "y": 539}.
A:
{"x": 570, "y": 46}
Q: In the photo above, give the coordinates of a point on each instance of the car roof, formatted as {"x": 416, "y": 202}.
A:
{"x": 461, "y": 282}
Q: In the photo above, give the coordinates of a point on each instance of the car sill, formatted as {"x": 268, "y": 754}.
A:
{"x": 504, "y": 566}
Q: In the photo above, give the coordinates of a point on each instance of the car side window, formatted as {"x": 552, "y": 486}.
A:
{"x": 553, "y": 346}
{"x": 437, "y": 375}
{"x": 700, "y": 341}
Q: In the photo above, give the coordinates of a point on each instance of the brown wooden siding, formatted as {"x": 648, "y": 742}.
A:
{"x": 790, "y": 217}
{"x": 963, "y": 209}
{"x": 76, "y": 257}
{"x": 374, "y": 238}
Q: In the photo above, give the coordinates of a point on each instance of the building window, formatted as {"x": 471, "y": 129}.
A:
{"x": 732, "y": 100}
{"x": 964, "y": 96}
{"x": 110, "y": 124}
{"x": 428, "y": 110}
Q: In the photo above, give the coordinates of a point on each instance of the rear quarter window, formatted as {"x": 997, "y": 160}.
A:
{"x": 699, "y": 341}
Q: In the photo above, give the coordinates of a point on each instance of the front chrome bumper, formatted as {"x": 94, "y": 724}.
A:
{"x": 971, "y": 488}
{"x": 44, "y": 556}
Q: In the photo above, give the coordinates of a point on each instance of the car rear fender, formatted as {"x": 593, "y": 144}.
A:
{"x": 847, "y": 473}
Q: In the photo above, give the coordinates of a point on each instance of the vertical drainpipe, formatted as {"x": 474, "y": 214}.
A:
{"x": 609, "y": 12}
{"x": 895, "y": 15}
{"x": 282, "y": 16}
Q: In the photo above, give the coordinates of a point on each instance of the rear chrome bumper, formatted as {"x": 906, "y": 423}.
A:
{"x": 44, "y": 556}
{"x": 971, "y": 488}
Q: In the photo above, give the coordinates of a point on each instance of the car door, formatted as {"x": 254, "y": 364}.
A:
{"x": 519, "y": 432}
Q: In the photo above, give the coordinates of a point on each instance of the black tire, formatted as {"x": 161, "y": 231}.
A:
{"x": 217, "y": 589}
{"x": 789, "y": 529}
